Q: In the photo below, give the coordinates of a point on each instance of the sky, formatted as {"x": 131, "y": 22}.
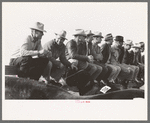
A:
{"x": 126, "y": 19}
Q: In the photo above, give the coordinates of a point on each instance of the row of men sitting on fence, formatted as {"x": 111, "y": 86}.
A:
{"x": 105, "y": 62}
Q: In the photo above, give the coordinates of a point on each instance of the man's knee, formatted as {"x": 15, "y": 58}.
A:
{"x": 43, "y": 61}
{"x": 27, "y": 59}
{"x": 92, "y": 67}
{"x": 62, "y": 66}
{"x": 100, "y": 69}
{"x": 50, "y": 65}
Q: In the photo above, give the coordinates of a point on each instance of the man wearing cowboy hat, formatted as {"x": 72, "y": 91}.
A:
{"x": 57, "y": 47}
{"x": 106, "y": 52}
{"x": 24, "y": 59}
{"x": 127, "y": 60}
{"x": 116, "y": 51}
{"x": 136, "y": 61}
{"x": 142, "y": 52}
{"x": 76, "y": 52}
{"x": 98, "y": 57}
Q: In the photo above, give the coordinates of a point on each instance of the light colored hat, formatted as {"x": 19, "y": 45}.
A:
{"x": 98, "y": 34}
{"x": 136, "y": 45}
{"x": 38, "y": 26}
{"x": 129, "y": 42}
{"x": 62, "y": 34}
{"x": 88, "y": 32}
{"x": 108, "y": 37}
{"x": 79, "y": 32}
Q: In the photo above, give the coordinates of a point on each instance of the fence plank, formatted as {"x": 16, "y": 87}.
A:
{"x": 10, "y": 70}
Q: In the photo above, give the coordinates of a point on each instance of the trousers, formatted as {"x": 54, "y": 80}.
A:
{"x": 93, "y": 69}
{"x": 29, "y": 67}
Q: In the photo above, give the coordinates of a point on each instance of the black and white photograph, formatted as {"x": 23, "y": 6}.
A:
{"x": 74, "y": 60}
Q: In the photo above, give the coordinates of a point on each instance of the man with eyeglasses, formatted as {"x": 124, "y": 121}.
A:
{"x": 30, "y": 58}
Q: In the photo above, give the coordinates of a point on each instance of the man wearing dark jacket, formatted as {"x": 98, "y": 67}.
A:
{"x": 57, "y": 48}
{"x": 76, "y": 53}
{"x": 135, "y": 60}
{"x": 127, "y": 60}
{"x": 76, "y": 50}
{"x": 106, "y": 51}
{"x": 98, "y": 57}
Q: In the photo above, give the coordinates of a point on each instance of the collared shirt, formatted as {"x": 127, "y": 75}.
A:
{"x": 109, "y": 57}
{"x": 114, "y": 54}
{"x": 97, "y": 51}
{"x": 58, "y": 52}
{"x": 28, "y": 48}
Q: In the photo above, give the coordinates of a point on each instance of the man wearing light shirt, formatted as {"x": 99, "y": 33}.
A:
{"x": 31, "y": 59}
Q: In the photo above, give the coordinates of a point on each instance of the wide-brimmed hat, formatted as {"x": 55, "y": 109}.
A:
{"x": 62, "y": 34}
{"x": 136, "y": 45}
{"x": 38, "y": 26}
{"x": 88, "y": 32}
{"x": 79, "y": 32}
{"x": 108, "y": 37}
{"x": 98, "y": 34}
{"x": 119, "y": 38}
{"x": 130, "y": 42}
{"x": 142, "y": 44}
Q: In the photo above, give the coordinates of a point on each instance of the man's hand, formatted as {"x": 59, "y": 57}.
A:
{"x": 73, "y": 67}
{"x": 43, "y": 52}
{"x": 91, "y": 59}
{"x": 49, "y": 54}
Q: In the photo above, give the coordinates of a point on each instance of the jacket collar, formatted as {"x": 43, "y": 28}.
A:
{"x": 55, "y": 43}
{"x": 115, "y": 47}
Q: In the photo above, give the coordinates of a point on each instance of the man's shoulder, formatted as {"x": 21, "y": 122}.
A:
{"x": 102, "y": 45}
{"x": 28, "y": 39}
{"x": 113, "y": 47}
{"x": 72, "y": 41}
{"x": 51, "y": 42}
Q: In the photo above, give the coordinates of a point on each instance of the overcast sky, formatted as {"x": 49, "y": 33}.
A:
{"x": 126, "y": 19}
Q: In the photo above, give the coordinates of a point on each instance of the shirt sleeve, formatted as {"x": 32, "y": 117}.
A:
{"x": 24, "y": 49}
{"x": 47, "y": 46}
{"x": 63, "y": 58}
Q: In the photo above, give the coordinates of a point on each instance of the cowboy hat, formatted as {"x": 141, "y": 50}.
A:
{"x": 119, "y": 38}
{"x": 98, "y": 34}
{"x": 142, "y": 44}
{"x": 79, "y": 32}
{"x": 38, "y": 26}
{"x": 88, "y": 32}
{"x": 130, "y": 42}
{"x": 108, "y": 37}
{"x": 62, "y": 34}
{"x": 136, "y": 45}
